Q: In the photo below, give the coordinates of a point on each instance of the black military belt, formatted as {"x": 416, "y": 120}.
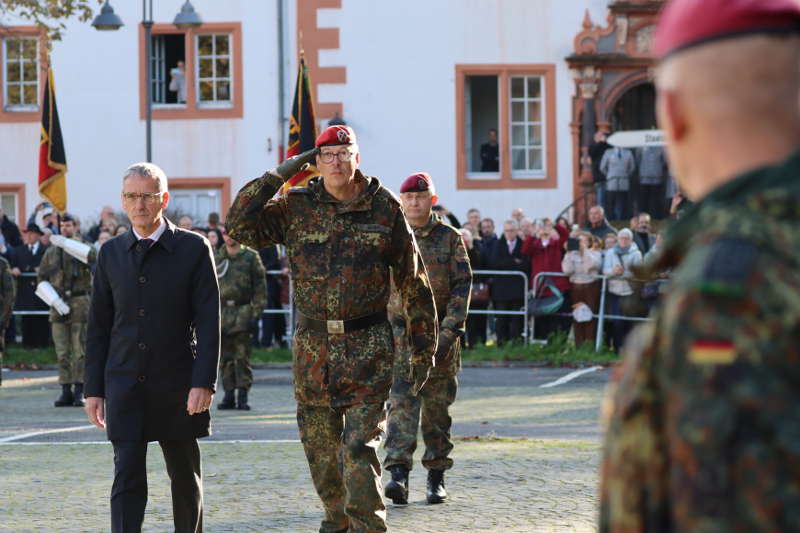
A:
{"x": 234, "y": 303}
{"x": 337, "y": 327}
{"x": 73, "y": 294}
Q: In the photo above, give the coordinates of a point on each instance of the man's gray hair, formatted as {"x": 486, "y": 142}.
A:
{"x": 147, "y": 170}
{"x": 600, "y": 207}
{"x": 511, "y": 222}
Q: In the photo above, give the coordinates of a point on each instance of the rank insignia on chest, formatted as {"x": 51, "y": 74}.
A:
{"x": 706, "y": 352}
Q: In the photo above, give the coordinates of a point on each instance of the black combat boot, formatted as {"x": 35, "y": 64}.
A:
{"x": 242, "y": 400}
{"x": 228, "y": 401}
{"x": 77, "y": 395}
{"x": 436, "y": 491}
{"x": 397, "y": 488}
{"x": 66, "y": 397}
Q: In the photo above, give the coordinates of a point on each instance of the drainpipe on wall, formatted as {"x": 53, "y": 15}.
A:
{"x": 281, "y": 84}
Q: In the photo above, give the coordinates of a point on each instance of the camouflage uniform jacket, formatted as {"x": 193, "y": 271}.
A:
{"x": 339, "y": 256}
{"x": 71, "y": 278}
{"x": 703, "y": 424}
{"x": 8, "y": 293}
{"x": 447, "y": 263}
{"x": 242, "y": 288}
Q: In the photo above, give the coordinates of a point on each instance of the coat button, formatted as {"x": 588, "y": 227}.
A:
{"x": 142, "y": 346}
{"x": 142, "y": 279}
{"x": 140, "y": 379}
{"x": 141, "y": 312}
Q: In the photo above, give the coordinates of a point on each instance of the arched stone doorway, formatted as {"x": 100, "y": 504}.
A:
{"x": 611, "y": 67}
{"x": 634, "y": 110}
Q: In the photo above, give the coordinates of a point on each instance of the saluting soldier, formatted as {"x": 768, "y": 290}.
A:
{"x": 703, "y": 424}
{"x": 65, "y": 267}
{"x": 343, "y": 232}
{"x": 8, "y": 294}
{"x": 243, "y": 296}
{"x": 448, "y": 267}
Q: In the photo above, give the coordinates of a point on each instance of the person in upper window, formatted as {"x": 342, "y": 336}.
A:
{"x": 177, "y": 82}
{"x": 490, "y": 153}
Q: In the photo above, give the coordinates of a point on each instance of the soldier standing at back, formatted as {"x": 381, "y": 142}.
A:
{"x": 65, "y": 268}
{"x": 8, "y": 294}
{"x": 448, "y": 267}
{"x": 342, "y": 235}
{"x": 703, "y": 424}
{"x": 243, "y": 295}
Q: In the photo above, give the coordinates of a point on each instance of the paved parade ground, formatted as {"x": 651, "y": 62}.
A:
{"x": 526, "y": 460}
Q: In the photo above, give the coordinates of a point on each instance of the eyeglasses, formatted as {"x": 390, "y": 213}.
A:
{"x": 148, "y": 197}
{"x": 328, "y": 157}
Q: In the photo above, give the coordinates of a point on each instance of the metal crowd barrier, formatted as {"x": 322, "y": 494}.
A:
{"x": 523, "y": 311}
{"x": 601, "y": 315}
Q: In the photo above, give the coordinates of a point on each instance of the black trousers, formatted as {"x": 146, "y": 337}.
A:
{"x": 651, "y": 200}
{"x": 129, "y": 491}
{"x": 509, "y": 327}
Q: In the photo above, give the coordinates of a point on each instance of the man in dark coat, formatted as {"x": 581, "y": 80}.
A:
{"x": 508, "y": 292}
{"x": 25, "y": 262}
{"x": 152, "y": 351}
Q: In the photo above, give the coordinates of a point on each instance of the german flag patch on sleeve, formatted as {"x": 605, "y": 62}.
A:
{"x": 712, "y": 352}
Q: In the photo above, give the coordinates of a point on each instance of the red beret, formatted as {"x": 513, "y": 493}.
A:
{"x": 336, "y": 135}
{"x": 421, "y": 181}
{"x": 686, "y": 23}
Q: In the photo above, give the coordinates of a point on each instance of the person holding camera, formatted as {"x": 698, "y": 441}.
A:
{"x": 544, "y": 249}
{"x": 583, "y": 265}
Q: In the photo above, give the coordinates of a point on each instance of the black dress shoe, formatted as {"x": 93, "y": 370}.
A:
{"x": 66, "y": 397}
{"x": 397, "y": 488}
{"x": 228, "y": 401}
{"x": 77, "y": 395}
{"x": 241, "y": 402}
{"x": 436, "y": 490}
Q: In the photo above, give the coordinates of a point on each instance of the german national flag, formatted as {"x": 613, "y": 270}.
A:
{"x": 52, "y": 160}
{"x": 302, "y": 127}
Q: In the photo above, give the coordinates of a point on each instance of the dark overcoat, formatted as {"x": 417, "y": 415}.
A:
{"x": 154, "y": 329}
{"x": 22, "y": 258}
{"x": 505, "y": 288}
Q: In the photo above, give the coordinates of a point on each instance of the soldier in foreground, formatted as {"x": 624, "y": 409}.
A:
{"x": 65, "y": 283}
{"x": 8, "y": 294}
{"x": 243, "y": 295}
{"x": 448, "y": 267}
{"x": 342, "y": 234}
{"x": 703, "y": 418}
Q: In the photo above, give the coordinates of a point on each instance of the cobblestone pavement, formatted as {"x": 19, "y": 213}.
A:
{"x": 525, "y": 461}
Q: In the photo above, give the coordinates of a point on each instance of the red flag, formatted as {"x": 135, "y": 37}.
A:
{"x": 52, "y": 159}
{"x": 302, "y": 127}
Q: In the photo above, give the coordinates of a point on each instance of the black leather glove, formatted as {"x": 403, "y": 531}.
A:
{"x": 418, "y": 377}
{"x": 295, "y": 164}
{"x": 284, "y": 171}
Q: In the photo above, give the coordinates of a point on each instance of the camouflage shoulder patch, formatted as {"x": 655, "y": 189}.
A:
{"x": 712, "y": 352}
{"x": 730, "y": 263}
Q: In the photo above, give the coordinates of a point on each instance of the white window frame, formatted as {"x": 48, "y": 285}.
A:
{"x": 528, "y": 172}
{"x": 22, "y": 83}
{"x": 195, "y": 194}
{"x": 214, "y": 79}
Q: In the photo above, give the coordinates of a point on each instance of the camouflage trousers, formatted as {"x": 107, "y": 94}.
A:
{"x": 341, "y": 447}
{"x": 234, "y": 362}
{"x": 70, "y": 341}
{"x": 403, "y": 422}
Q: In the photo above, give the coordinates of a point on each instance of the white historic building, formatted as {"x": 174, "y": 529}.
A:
{"x": 421, "y": 82}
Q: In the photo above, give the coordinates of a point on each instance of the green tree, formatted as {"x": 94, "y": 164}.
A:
{"x": 49, "y": 15}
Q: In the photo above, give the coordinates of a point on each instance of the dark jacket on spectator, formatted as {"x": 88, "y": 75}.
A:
{"x": 22, "y": 258}
{"x": 10, "y": 232}
{"x": 602, "y": 230}
{"x": 644, "y": 241}
{"x": 506, "y": 288}
{"x": 596, "y": 151}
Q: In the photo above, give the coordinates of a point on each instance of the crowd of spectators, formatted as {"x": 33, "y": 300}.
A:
{"x": 580, "y": 255}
